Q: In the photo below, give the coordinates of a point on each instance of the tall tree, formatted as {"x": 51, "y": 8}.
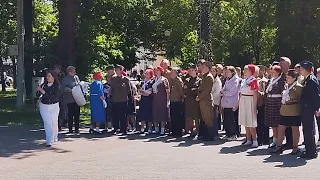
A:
{"x": 67, "y": 31}
{"x": 28, "y": 56}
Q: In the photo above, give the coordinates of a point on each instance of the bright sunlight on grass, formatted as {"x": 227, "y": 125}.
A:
{"x": 30, "y": 116}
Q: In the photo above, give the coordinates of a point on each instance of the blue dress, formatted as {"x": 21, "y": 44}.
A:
{"x": 98, "y": 112}
{"x": 145, "y": 104}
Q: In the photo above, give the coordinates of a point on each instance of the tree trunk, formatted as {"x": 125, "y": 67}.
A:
{"x": 67, "y": 32}
{"x": 28, "y": 56}
{"x": 2, "y": 79}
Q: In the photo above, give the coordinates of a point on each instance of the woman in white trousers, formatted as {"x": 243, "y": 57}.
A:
{"x": 49, "y": 96}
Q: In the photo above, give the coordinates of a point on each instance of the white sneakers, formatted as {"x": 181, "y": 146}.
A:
{"x": 255, "y": 144}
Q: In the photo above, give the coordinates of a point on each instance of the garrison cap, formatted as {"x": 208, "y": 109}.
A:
{"x": 306, "y": 65}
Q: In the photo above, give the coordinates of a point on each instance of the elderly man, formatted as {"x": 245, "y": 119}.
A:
{"x": 310, "y": 103}
{"x": 285, "y": 64}
{"x": 165, "y": 65}
{"x": 120, "y": 90}
{"x": 68, "y": 82}
{"x": 107, "y": 85}
{"x": 176, "y": 101}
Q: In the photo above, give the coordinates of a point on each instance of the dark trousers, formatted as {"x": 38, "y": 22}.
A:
{"x": 202, "y": 129}
{"x": 216, "y": 122}
{"x": 119, "y": 116}
{"x": 307, "y": 118}
{"x": 262, "y": 130}
{"x": 176, "y": 115}
{"x": 318, "y": 123}
{"x": 229, "y": 122}
{"x": 73, "y": 116}
{"x": 289, "y": 139}
{"x": 236, "y": 118}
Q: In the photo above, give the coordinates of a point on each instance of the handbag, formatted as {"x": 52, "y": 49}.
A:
{"x": 40, "y": 97}
{"x": 78, "y": 94}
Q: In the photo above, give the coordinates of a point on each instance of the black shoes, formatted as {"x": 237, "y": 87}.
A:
{"x": 277, "y": 150}
{"x": 309, "y": 156}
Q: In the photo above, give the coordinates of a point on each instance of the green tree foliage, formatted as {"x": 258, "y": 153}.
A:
{"x": 298, "y": 34}
{"x": 111, "y": 31}
{"x": 45, "y": 30}
{"x": 7, "y": 26}
{"x": 243, "y": 31}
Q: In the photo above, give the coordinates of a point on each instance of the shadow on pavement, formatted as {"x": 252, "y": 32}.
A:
{"x": 259, "y": 152}
{"x": 287, "y": 160}
{"x": 233, "y": 149}
{"x": 20, "y": 142}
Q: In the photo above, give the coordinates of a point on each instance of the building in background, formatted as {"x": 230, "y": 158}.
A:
{"x": 147, "y": 59}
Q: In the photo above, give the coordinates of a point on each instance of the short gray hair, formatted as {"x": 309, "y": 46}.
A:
{"x": 70, "y": 68}
{"x": 286, "y": 59}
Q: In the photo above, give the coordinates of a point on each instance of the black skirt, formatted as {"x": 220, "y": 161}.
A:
{"x": 290, "y": 121}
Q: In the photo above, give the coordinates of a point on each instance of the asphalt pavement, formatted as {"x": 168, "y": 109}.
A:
{"x": 24, "y": 156}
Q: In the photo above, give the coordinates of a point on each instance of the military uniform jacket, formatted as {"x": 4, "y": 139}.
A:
{"x": 191, "y": 88}
{"x": 261, "y": 92}
{"x": 176, "y": 90}
{"x": 205, "y": 88}
{"x": 120, "y": 89}
{"x": 310, "y": 94}
{"x": 292, "y": 107}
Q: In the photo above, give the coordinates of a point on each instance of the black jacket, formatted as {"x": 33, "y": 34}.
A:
{"x": 52, "y": 94}
{"x": 310, "y": 95}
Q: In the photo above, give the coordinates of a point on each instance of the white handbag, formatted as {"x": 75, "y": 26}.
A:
{"x": 78, "y": 95}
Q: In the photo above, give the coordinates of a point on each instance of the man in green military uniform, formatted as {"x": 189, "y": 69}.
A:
{"x": 120, "y": 89}
{"x": 205, "y": 100}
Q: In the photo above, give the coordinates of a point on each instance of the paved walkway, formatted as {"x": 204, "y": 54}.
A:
{"x": 23, "y": 155}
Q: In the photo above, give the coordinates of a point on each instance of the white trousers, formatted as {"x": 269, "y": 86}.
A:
{"x": 49, "y": 114}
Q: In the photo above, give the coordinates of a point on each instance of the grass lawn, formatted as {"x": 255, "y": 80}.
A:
{"x": 29, "y": 116}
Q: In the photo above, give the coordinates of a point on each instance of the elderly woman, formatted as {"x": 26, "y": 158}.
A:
{"x": 160, "y": 103}
{"x": 97, "y": 103}
{"x": 248, "y": 105}
{"x": 290, "y": 112}
{"x": 145, "y": 104}
{"x": 230, "y": 97}
{"x": 273, "y": 102}
{"x": 69, "y": 82}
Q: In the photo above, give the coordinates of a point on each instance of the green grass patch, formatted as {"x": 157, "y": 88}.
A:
{"x": 30, "y": 115}
{"x": 9, "y": 114}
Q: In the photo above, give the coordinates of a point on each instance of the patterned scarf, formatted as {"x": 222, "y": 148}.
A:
{"x": 155, "y": 85}
{"x": 272, "y": 82}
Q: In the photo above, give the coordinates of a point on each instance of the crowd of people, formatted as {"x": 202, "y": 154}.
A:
{"x": 196, "y": 103}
